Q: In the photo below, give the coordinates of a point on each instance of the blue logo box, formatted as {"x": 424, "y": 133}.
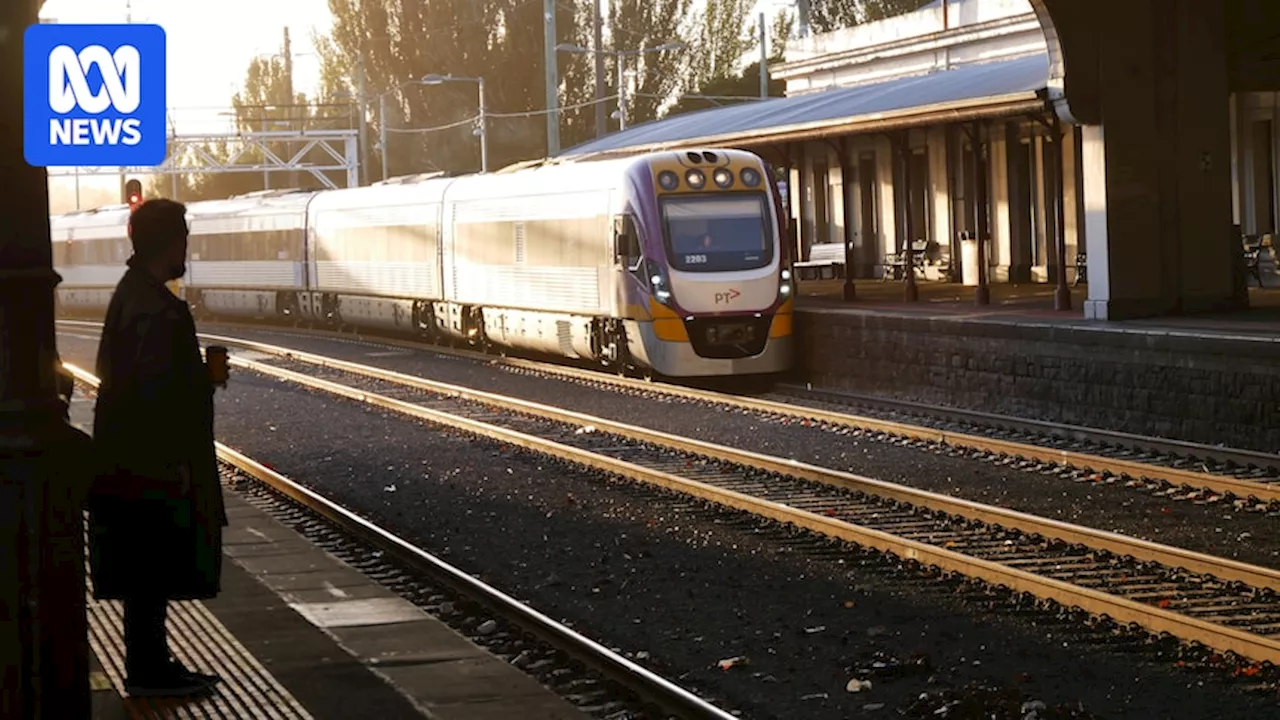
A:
{"x": 94, "y": 95}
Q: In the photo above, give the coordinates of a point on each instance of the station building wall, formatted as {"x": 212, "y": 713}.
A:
{"x": 1020, "y": 220}
{"x": 1020, "y": 215}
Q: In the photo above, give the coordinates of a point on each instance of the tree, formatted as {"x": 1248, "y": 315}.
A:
{"x": 721, "y": 42}
{"x": 641, "y": 24}
{"x": 397, "y": 42}
{"x": 742, "y": 85}
{"x": 828, "y": 15}
{"x": 264, "y": 103}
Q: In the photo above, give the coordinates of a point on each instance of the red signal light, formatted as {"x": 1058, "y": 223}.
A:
{"x": 133, "y": 192}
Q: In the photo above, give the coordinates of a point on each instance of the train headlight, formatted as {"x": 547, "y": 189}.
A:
{"x": 658, "y": 283}
{"x": 784, "y": 287}
{"x": 696, "y": 179}
{"x": 667, "y": 180}
{"x": 750, "y": 177}
{"x": 723, "y": 178}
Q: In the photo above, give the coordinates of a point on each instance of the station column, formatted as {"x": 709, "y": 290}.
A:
{"x": 43, "y": 627}
{"x": 1156, "y": 172}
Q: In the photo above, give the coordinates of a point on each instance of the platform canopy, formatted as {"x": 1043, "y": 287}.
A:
{"x": 987, "y": 89}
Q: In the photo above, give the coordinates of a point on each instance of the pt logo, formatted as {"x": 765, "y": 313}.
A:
{"x": 94, "y": 95}
{"x": 727, "y": 297}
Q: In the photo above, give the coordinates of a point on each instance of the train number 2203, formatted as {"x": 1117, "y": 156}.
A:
{"x": 694, "y": 259}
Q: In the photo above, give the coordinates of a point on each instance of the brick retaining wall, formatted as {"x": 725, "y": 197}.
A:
{"x": 1218, "y": 390}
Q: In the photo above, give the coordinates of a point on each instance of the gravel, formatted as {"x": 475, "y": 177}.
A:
{"x": 682, "y": 588}
{"x": 1216, "y": 529}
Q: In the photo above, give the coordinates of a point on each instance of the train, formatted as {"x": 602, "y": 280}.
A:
{"x": 671, "y": 263}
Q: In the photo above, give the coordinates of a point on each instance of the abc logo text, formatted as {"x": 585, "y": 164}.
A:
{"x": 94, "y": 95}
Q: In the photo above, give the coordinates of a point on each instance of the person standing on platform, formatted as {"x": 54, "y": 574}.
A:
{"x": 156, "y": 511}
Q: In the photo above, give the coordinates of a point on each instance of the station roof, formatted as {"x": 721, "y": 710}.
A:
{"x": 987, "y": 89}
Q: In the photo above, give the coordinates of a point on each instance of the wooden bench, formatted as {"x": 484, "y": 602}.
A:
{"x": 826, "y": 260}
{"x": 1082, "y": 268}
{"x": 898, "y": 260}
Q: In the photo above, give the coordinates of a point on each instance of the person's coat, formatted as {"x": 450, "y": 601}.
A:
{"x": 156, "y": 509}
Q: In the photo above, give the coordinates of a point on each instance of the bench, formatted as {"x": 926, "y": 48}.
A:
{"x": 1082, "y": 268}
{"x": 826, "y": 260}
{"x": 898, "y": 260}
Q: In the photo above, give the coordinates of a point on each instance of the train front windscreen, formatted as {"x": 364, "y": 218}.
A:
{"x": 717, "y": 233}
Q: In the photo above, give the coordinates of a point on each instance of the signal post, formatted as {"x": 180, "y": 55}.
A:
{"x": 44, "y": 651}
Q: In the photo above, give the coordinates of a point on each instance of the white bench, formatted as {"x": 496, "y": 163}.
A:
{"x": 824, "y": 259}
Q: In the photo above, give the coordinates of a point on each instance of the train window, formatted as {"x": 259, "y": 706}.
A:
{"x": 718, "y": 233}
{"x": 626, "y": 241}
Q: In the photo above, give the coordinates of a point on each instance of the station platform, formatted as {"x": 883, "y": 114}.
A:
{"x": 1032, "y": 303}
{"x": 297, "y": 633}
{"x": 1210, "y": 378}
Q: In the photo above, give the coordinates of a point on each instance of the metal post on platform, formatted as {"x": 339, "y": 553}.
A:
{"x": 911, "y": 293}
{"x": 850, "y": 289}
{"x": 981, "y": 293}
{"x": 1062, "y": 294}
{"x": 44, "y": 627}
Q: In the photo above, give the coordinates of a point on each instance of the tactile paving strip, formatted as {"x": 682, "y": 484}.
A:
{"x": 201, "y": 642}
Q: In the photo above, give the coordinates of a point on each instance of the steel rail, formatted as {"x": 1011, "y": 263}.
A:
{"x": 1219, "y": 637}
{"x": 1069, "y": 431}
{"x": 1097, "y": 463}
{"x": 1112, "y": 542}
{"x": 644, "y": 682}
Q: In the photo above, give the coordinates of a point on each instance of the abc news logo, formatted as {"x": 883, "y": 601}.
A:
{"x": 94, "y": 95}
{"x": 69, "y": 89}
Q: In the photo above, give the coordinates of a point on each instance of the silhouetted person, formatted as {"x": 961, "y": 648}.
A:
{"x": 156, "y": 513}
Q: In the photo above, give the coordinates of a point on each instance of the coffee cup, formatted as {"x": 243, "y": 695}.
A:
{"x": 216, "y": 358}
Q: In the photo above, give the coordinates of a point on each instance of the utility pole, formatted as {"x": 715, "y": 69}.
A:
{"x": 292, "y": 111}
{"x": 382, "y": 131}
{"x": 362, "y": 101}
{"x": 764, "y": 57}
{"x": 602, "y": 126}
{"x": 553, "y": 80}
{"x": 484, "y": 130}
{"x": 622, "y": 95}
{"x": 44, "y": 477}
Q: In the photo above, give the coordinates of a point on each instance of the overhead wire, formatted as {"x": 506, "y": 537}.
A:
{"x": 476, "y": 118}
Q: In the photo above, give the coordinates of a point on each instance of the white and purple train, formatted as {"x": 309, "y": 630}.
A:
{"x": 670, "y": 262}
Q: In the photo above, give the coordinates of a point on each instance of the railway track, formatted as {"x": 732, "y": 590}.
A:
{"x": 1222, "y": 604}
{"x": 597, "y": 680}
{"x": 1181, "y": 471}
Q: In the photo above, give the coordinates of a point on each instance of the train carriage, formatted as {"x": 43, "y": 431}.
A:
{"x": 247, "y": 254}
{"x": 374, "y": 256}
{"x": 672, "y": 262}
{"x": 529, "y": 258}
{"x": 90, "y": 249}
